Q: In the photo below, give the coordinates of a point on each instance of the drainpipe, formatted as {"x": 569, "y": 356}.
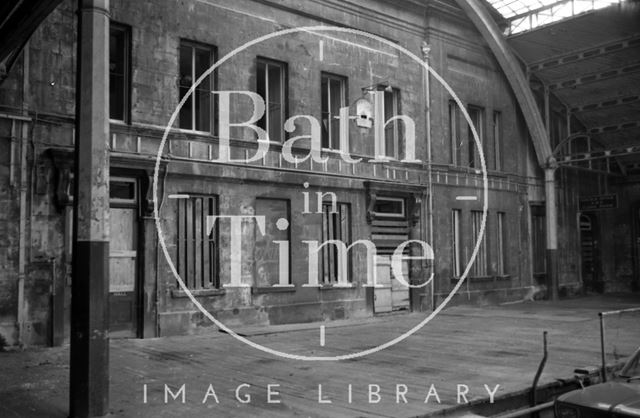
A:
{"x": 426, "y": 49}
{"x": 552, "y": 227}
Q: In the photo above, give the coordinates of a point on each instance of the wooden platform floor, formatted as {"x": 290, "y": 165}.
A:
{"x": 471, "y": 346}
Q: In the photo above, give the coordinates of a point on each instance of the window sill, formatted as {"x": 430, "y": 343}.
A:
{"x": 475, "y": 279}
{"x": 179, "y": 293}
{"x": 503, "y": 277}
{"x": 337, "y": 287}
{"x": 273, "y": 289}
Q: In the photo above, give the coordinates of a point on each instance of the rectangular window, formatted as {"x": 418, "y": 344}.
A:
{"x": 390, "y": 142}
{"x": 454, "y": 135}
{"x": 333, "y": 97}
{"x": 195, "y": 60}
{"x": 197, "y": 252}
{"x": 267, "y": 252}
{"x": 392, "y": 129}
{"x": 497, "y": 140}
{"x": 122, "y": 191}
{"x": 479, "y": 267}
{"x": 455, "y": 243}
{"x": 271, "y": 85}
{"x": 476, "y": 114}
{"x": 389, "y": 207}
{"x": 501, "y": 249}
{"x": 538, "y": 240}
{"x": 336, "y": 225}
{"x": 119, "y": 71}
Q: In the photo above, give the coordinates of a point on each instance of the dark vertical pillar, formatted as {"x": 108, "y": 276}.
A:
{"x": 89, "y": 374}
{"x": 552, "y": 232}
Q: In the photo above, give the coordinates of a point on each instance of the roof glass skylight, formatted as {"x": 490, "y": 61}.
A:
{"x": 525, "y": 15}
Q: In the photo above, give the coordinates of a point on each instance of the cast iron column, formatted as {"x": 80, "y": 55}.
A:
{"x": 551, "y": 215}
{"x": 89, "y": 374}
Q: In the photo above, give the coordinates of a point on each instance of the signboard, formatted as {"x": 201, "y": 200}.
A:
{"x": 598, "y": 202}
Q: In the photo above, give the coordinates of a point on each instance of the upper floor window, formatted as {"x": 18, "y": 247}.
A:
{"x": 389, "y": 145}
{"x": 195, "y": 59}
{"x": 271, "y": 86}
{"x": 497, "y": 140}
{"x": 477, "y": 118}
{"x": 454, "y": 134}
{"x": 334, "y": 96}
{"x": 119, "y": 71}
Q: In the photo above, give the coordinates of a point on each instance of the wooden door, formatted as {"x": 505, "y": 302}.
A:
{"x": 391, "y": 295}
{"x": 123, "y": 287}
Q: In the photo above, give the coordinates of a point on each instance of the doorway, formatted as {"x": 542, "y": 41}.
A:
{"x": 590, "y": 253}
{"x": 124, "y": 287}
{"x": 390, "y": 294}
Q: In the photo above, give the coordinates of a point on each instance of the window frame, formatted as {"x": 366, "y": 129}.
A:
{"x": 396, "y": 102}
{"x": 538, "y": 239}
{"x": 120, "y": 202}
{"x": 454, "y": 133}
{"x": 334, "y": 276}
{"x": 501, "y": 249}
{"x": 182, "y": 244}
{"x": 456, "y": 254}
{"x": 401, "y": 214}
{"x": 127, "y": 71}
{"x": 473, "y": 159}
{"x": 284, "y": 95}
{"x": 329, "y": 143}
{"x": 213, "y": 55}
{"x": 497, "y": 140}
{"x": 480, "y": 266}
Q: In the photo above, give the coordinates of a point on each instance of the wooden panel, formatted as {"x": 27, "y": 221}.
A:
{"x": 382, "y": 295}
{"x": 399, "y": 291}
{"x": 122, "y": 254}
{"x": 266, "y": 252}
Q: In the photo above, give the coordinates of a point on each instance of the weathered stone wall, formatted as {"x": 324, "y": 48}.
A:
{"x": 40, "y": 88}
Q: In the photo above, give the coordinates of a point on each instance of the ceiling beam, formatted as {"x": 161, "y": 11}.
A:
{"x": 606, "y": 104}
{"x": 587, "y": 53}
{"x": 590, "y": 78}
{"x": 596, "y": 155}
{"x": 613, "y": 128}
{"x": 535, "y": 11}
{"x": 491, "y": 33}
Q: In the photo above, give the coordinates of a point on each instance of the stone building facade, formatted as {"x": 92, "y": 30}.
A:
{"x": 395, "y": 193}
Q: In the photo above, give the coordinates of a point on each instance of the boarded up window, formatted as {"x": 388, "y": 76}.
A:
{"x": 266, "y": 251}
